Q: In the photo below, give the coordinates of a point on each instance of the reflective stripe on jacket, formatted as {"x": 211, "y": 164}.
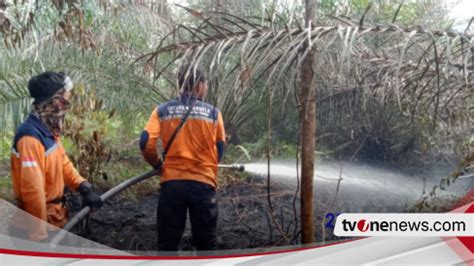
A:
{"x": 193, "y": 155}
{"x": 40, "y": 170}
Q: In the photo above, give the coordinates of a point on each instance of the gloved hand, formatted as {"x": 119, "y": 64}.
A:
{"x": 89, "y": 198}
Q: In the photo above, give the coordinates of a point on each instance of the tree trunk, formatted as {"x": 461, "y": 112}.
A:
{"x": 308, "y": 132}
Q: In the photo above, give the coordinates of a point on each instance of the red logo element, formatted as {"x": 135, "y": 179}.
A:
{"x": 468, "y": 241}
{"x": 463, "y": 246}
{"x": 363, "y": 225}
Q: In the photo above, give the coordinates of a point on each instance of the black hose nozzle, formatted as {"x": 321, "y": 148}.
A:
{"x": 235, "y": 167}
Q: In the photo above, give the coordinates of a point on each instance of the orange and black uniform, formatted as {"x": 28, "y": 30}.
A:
{"x": 189, "y": 171}
{"x": 40, "y": 170}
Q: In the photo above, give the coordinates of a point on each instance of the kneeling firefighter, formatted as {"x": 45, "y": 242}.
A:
{"x": 193, "y": 136}
{"x": 39, "y": 164}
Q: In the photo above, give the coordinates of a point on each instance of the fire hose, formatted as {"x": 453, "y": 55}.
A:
{"x": 115, "y": 190}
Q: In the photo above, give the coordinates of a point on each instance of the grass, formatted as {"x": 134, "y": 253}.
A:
{"x": 437, "y": 204}
{"x": 121, "y": 170}
{"x": 5, "y": 181}
{"x": 115, "y": 172}
{"x": 127, "y": 163}
{"x": 229, "y": 177}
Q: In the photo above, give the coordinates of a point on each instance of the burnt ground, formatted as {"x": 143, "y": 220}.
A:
{"x": 128, "y": 221}
{"x": 244, "y": 219}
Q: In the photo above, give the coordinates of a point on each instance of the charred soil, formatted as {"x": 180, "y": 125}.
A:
{"x": 245, "y": 219}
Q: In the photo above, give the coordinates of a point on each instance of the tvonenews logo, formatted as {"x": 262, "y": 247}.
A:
{"x": 405, "y": 224}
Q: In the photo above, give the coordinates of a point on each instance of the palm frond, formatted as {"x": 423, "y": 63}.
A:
{"x": 346, "y": 56}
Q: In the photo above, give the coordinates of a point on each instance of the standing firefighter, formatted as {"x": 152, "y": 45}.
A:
{"x": 192, "y": 134}
{"x": 40, "y": 166}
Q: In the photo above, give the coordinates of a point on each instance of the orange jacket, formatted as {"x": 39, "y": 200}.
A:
{"x": 194, "y": 153}
{"x": 40, "y": 170}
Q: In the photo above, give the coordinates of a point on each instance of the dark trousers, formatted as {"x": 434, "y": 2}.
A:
{"x": 176, "y": 198}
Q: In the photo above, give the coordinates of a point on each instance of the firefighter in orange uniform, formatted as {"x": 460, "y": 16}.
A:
{"x": 189, "y": 170}
{"x": 39, "y": 164}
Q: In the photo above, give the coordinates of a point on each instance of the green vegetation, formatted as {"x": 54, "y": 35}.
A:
{"x": 386, "y": 95}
